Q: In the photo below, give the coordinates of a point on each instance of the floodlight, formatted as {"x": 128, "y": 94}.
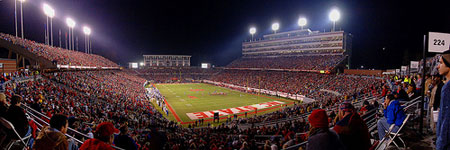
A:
{"x": 275, "y": 26}
{"x": 252, "y": 30}
{"x": 49, "y": 11}
{"x": 70, "y": 22}
{"x": 302, "y": 22}
{"x": 334, "y": 15}
{"x": 87, "y": 30}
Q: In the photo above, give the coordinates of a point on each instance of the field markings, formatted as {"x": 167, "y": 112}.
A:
{"x": 231, "y": 92}
{"x": 172, "y": 111}
{"x": 232, "y": 110}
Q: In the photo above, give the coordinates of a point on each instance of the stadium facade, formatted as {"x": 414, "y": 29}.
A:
{"x": 299, "y": 43}
{"x": 167, "y": 60}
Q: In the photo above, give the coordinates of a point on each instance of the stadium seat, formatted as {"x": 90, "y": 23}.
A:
{"x": 391, "y": 136}
{"x": 12, "y": 139}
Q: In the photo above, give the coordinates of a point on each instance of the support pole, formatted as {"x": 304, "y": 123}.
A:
{"x": 424, "y": 55}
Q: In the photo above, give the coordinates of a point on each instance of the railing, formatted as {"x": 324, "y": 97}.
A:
{"x": 272, "y": 122}
{"x": 42, "y": 123}
{"x": 368, "y": 117}
{"x": 36, "y": 116}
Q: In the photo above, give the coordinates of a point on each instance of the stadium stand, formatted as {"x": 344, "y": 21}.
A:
{"x": 319, "y": 62}
{"x": 91, "y": 98}
{"x": 59, "y": 56}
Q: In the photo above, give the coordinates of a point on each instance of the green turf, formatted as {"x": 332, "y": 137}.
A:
{"x": 177, "y": 95}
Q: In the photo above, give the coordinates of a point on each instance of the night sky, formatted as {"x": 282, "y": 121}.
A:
{"x": 213, "y": 30}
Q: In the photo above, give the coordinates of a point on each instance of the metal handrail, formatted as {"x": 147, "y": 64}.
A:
{"x": 271, "y": 122}
{"x": 70, "y": 129}
{"x": 297, "y": 145}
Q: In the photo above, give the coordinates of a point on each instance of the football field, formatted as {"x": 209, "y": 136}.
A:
{"x": 189, "y": 102}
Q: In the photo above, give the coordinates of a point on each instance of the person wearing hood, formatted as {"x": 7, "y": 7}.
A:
{"x": 393, "y": 114}
{"x": 52, "y": 137}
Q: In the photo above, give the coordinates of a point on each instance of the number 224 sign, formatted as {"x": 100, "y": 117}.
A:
{"x": 438, "y": 42}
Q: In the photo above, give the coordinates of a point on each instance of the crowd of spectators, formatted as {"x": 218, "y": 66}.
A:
{"x": 90, "y": 98}
{"x": 121, "y": 106}
{"x": 311, "y": 85}
{"x": 323, "y": 62}
{"x": 173, "y": 74}
{"x": 113, "y": 108}
{"x": 59, "y": 55}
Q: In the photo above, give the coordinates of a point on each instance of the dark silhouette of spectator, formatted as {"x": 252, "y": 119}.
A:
{"x": 352, "y": 130}
{"x": 16, "y": 115}
{"x": 401, "y": 94}
{"x": 36, "y": 106}
{"x": 366, "y": 107}
{"x": 124, "y": 141}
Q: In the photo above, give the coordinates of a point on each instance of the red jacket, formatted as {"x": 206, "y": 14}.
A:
{"x": 95, "y": 144}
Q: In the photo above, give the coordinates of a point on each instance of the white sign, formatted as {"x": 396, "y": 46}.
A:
{"x": 438, "y": 42}
{"x": 414, "y": 64}
{"x": 206, "y": 65}
{"x": 1, "y": 65}
{"x": 397, "y": 70}
{"x": 404, "y": 68}
{"x": 134, "y": 65}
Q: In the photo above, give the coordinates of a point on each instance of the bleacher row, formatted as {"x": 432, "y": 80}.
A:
{"x": 106, "y": 90}
{"x": 320, "y": 62}
{"x": 62, "y": 57}
{"x": 369, "y": 118}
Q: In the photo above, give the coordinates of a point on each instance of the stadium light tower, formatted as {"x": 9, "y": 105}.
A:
{"x": 87, "y": 32}
{"x": 334, "y": 16}
{"x": 252, "y": 31}
{"x": 15, "y": 15}
{"x": 21, "y": 15}
{"x": 302, "y": 22}
{"x": 71, "y": 25}
{"x": 275, "y": 27}
{"x": 50, "y": 12}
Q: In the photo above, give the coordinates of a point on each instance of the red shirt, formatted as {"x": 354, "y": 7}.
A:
{"x": 95, "y": 144}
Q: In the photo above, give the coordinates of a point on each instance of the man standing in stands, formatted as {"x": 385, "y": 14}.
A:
{"x": 443, "y": 124}
{"x": 16, "y": 115}
{"x": 103, "y": 138}
{"x": 352, "y": 130}
{"x": 435, "y": 100}
{"x": 53, "y": 137}
{"x": 393, "y": 114}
